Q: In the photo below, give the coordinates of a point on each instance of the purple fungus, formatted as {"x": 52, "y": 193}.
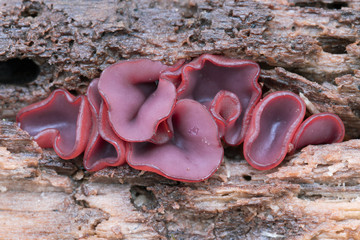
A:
{"x": 136, "y": 98}
{"x": 61, "y": 121}
{"x": 105, "y": 148}
{"x": 225, "y": 109}
{"x": 204, "y": 77}
{"x": 321, "y": 128}
{"x": 273, "y": 125}
{"x": 194, "y": 152}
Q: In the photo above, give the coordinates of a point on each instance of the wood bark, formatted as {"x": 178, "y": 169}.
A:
{"x": 308, "y": 47}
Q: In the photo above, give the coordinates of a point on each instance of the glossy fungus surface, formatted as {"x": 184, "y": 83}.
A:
{"x": 61, "y": 121}
{"x": 163, "y": 133}
{"x": 225, "y": 109}
{"x": 193, "y": 154}
{"x": 321, "y": 128}
{"x": 136, "y": 98}
{"x": 273, "y": 125}
{"x": 105, "y": 148}
{"x": 174, "y": 75}
{"x": 204, "y": 77}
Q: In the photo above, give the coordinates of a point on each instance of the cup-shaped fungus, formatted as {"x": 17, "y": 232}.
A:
{"x": 193, "y": 154}
{"x": 136, "y": 98}
{"x": 204, "y": 77}
{"x": 225, "y": 109}
{"x": 273, "y": 125}
{"x": 321, "y": 128}
{"x": 61, "y": 121}
{"x": 105, "y": 148}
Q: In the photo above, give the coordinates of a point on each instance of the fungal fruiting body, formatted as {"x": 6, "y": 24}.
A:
{"x": 169, "y": 120}
{"x": 225, "y": 109}
{"x": 273, "y": 125}
{"x": 320, "y": 128}
{"x": 137, "y": 99}
{"x": 61, "y": 121}
{"x": 203, "y": 78}
{"x": 105, "y": 148}
{"x": 194, "y": 152}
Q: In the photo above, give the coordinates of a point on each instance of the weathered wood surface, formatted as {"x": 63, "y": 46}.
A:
{"x": 314, "y": 195}
{"x": 309, "y": 47}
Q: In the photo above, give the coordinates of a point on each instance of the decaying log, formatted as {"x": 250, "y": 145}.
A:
{"x": 314, "y": 195}
{"x": 309, "y": 47}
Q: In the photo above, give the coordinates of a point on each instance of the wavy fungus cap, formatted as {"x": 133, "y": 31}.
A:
{"x": 61, "y": 121}
{"x": 204, "y": 77}
{"x": 273, "y": 125}
{"x": 321, "y": 128}
{"x": 136, "y": 98}
{"x": 193, "y": 154}
{"x": 105, "y": 148}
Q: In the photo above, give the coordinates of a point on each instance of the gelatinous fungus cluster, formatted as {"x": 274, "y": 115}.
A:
{"x": 170, "y": 119}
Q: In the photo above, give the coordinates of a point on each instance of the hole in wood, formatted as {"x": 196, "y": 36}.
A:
{"x": 73, "y": 92}
{"x": 18, "y": 71}
{"x": 333, "y": 45}
{"x": 247, "y": 177}
{"x": 31, "y": 9}
{"x": 142, "y": 198}
{"x": 336, "y": 5}
{"x": 321, "y": 4}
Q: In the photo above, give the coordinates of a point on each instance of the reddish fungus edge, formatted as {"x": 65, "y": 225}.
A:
{"x": 101, "y": 130}
{"x": 155, "y": 169}
{"x": 83, "y": 124}
{"x": 175, "y": 67}
{"x": 317, "y": 117}
{"x": 216, "y": 106}
{"x": 221, "y": 61}
{"x": 254, "y": 129}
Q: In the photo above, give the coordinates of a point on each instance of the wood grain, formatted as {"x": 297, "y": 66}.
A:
{"x": 311, "y": 48}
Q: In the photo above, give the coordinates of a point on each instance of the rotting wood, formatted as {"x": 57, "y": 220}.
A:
{"x": 309, "y": 196}
{"x": 309, "y": 48}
